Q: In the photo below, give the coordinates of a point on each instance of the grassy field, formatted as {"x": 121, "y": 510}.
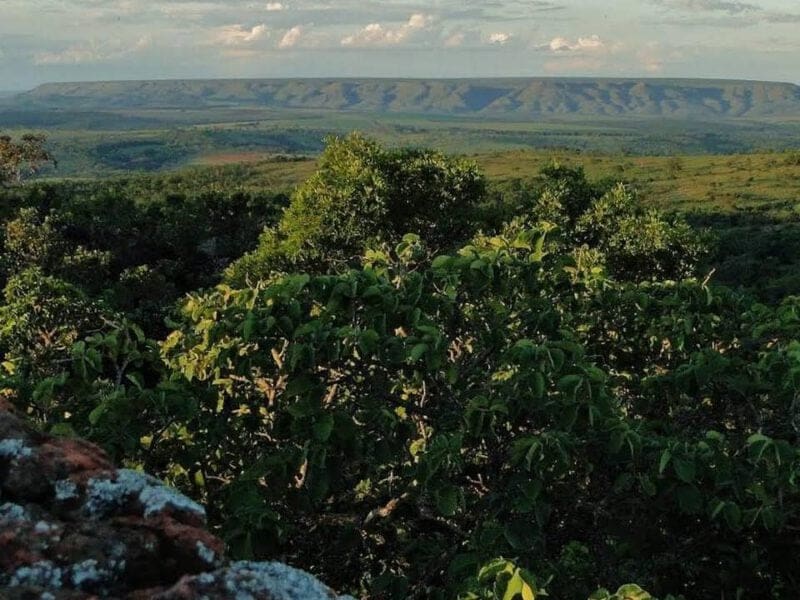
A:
{"x": 764, "y": 183}
{"x": 151, "y": 140}
{"x": 759, "y": 184}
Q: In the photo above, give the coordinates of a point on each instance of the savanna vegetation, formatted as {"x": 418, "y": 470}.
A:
{"x": 417, "y": 382}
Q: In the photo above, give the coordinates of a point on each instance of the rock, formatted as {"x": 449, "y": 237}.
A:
{"x": 72, "y": 526}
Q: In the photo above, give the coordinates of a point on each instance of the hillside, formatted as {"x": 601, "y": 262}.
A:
{"x": 498, "y": 98}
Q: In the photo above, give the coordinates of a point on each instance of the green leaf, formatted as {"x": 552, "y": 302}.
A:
{"x": 299, "y": 386}
{"x": 417, "y": 352}
{"x": 733, "y": 515}
{"x": 63, "y": 430}
{"x": 97, "y": 413}
{"x": 717, "y": 509}
{"x": 373, "y": 292}
{"x": 632, "y": 592}
{"x": 647, "y": 485}
{"x": 569, "y": 383}
{"x": 665, "y": 458}
{"x": 514, "y": 587}
{"x": 684, "y": 469}
{"x": 491, "y": 570}
{"x": 538, "y": 385}
{"x": 323, "y": 427}
{"x": 136, "y": 380}
{"x": 689, "y": 498}
{"x": 519, "y": 587}
{"x": 447, "y": 500}
{"x": 249, "y": 326}
{"x": 441, "y": 262}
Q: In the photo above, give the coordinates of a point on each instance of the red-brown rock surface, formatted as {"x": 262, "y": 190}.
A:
{"x": 74, "y": 526}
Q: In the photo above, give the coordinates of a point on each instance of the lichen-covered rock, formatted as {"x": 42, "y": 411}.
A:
{"x": 251, "y": 581}
{"x": 72, "y": 527}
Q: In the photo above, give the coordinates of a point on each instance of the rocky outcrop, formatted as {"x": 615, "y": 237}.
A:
{"x": 72, "y": 526}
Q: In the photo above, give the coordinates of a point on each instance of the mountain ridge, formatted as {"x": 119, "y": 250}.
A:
{"x": 494, "y": 97}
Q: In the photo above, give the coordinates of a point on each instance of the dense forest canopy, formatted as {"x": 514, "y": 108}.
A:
{"x": 414, "y": 385}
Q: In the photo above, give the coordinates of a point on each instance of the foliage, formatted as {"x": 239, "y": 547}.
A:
{"x": 396, "y": 410}
{"x": 22, "y": 157}
{"x": 363, "y": 193}
{"x": 41, "y": 319}
{"x": 138, "y": 245}
{"x": 633, "y": 242}
{"x": 458, "y": 406}
{"x": 35, "y": 242}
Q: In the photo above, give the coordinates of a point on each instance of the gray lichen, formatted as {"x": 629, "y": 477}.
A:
{"x": 87, "y": 573}
{"x": 244, "y": 580}
{"x": 156, "y": 498}
{"x": 206, "y": 554}
{"x": 14, "y": 449}
{"x": 106, "y": 495}
{"x": 43, "y": 528}
{"x": 65, "y": 490}
{"x": 13, "y": 512}
{"x": 42, "y": 574}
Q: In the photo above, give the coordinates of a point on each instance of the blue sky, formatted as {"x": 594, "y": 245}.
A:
{"x": 71, "y": 40}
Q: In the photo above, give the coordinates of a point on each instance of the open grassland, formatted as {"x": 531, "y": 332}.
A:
{"x": 123, "y": 140}
{"x": 759, "y": 182}
{"x": 765, "y": 184}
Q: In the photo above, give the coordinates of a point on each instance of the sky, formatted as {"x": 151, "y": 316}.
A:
{"x": 85, "y": 40}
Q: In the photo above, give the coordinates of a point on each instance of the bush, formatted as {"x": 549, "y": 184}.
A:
{"x": 363, "y": 194}
{"x": 500, "y": 401}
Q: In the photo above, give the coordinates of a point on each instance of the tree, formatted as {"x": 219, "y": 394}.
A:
{"x": 41, "y": 319}
{"x": 23, "y": 157}
{"x": 633, "y": 242}
{"x": 507, "y": 399}
{"x": 363, "y": 194}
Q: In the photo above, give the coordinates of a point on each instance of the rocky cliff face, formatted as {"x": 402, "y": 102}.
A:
{"x": 498, "y": 98}
{"x": 72, "y": 526}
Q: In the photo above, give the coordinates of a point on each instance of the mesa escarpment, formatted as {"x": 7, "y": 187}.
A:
{"x": 516, "y": 98}
{"x": 72, "y": 526}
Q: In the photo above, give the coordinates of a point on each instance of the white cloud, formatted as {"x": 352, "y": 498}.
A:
{"x": 238, "y": 35}
{"x": 143, "y": 42}
{"x": 561, "y": 44}
{"x": 500, "y": 38}
{"x": 291, "y": 37}
{"x": 92, "y": 52}
{"x": 376, "y": 34}
{"x": 74, "y": 55}
{"x": 455, "y": 40}
{"x": 275, "y": 6}
{"x": 461, "y": 38}
{"x": 419, "y": 21}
